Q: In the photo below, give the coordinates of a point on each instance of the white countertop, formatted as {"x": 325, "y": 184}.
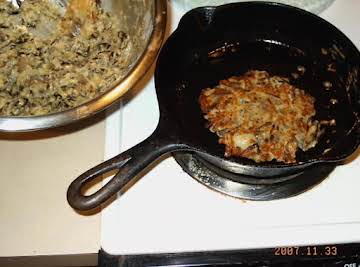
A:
{"x": 36, "y": 170}
{"x": 168, "y": 211}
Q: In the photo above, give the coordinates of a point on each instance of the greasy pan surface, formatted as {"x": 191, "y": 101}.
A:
{"x": 211, "y": 44}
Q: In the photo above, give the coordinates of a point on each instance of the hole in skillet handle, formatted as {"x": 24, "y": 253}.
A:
{"x": 129, "y": 164}
{"x": 79, "y": 201}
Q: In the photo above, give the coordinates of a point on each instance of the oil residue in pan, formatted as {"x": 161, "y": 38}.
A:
{"x": 270, "y": 55}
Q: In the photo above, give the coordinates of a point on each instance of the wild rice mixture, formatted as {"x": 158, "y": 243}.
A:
{"x": 59, "y": 70}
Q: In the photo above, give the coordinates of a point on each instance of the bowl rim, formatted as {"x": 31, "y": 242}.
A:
{"x": 87, "y": 109}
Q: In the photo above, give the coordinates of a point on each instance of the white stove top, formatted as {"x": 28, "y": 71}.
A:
{"x": 168, "y": 211}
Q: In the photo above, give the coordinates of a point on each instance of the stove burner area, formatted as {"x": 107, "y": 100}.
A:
{"x": 248, "y": 187}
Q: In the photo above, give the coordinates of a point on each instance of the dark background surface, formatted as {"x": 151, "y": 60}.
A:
{"x": 348, "y": 255}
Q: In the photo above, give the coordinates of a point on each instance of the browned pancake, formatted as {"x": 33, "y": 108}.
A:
{"x": 261, "y": 117}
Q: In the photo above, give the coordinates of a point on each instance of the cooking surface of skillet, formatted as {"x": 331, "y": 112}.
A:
{"x": 214, "y": 43}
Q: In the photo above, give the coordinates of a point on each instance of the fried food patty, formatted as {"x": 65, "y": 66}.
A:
{"x": 261, "y": 117}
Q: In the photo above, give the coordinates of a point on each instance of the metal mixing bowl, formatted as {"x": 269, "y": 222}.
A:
{"x": 145, "y": 21}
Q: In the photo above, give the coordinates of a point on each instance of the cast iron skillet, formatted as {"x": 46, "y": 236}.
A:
{"x": 213, "y": 43}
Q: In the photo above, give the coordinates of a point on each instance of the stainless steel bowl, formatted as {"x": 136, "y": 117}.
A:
{"x": 145, "y": 21}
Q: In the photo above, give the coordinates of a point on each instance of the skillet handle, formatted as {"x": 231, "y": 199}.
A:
{"x": 129, "y": 163}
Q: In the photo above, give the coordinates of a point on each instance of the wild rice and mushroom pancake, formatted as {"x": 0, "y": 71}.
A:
{"x": 261, "y": 117}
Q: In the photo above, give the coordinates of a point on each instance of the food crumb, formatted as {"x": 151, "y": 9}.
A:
{"x": 327, "y": 85}
{"x": 295, "y": 75}
{"x": 301, "y": 69}
{"x": 324, "y": 51}
{"x": 331, "y": 122}
{"x": 331, "y": 67}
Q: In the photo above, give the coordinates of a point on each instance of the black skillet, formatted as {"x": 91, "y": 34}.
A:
{"x": 213, "y": 43}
